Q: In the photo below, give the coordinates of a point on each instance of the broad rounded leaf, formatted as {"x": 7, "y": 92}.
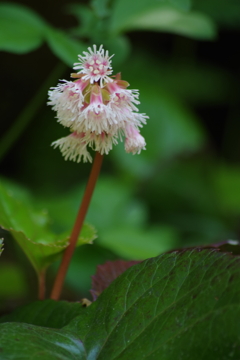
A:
{"x": 161, "y": 16}
{"x": 21, "y": 29}
{"x": 125, "y": 11}
{"x": 174, "y": 304}
{"x": 192, "y": 24}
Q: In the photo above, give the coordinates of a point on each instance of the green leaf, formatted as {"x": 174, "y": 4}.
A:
{"x": 138, "y": 243}
{"x": 166, "y": 306}
{"x": 124, "y": 11}
{"x": 194, "y": 25}
{"x": 181, "y": 4}
{"x": 25, "y": 341}
{"x": 63, "y": 46}
{"x": 152, "y": 15}
{"x": 47, "y": 313}
{"x": 21, "y": 29}
{"x": 30, "y": 228}
{"x": 169, "y": 307}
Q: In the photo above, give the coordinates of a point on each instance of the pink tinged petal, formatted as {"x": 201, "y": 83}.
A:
{"x": 96, "y": 95}
{"x": 134, "y": 141}
{"x": 73, "y": 147}
{"x": 67, "y": 100}
{"x": 95, "y": 65}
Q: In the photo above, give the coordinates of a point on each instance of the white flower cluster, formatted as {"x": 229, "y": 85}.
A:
{"x": 97, "y": 108}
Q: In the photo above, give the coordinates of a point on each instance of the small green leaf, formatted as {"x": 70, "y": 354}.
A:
{"x": 63, "y": 46}
{"x": 21, "y": 29}
{"x": 30, "y": 228}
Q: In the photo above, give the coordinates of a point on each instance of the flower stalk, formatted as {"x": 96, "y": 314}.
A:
{"x": 99, "y": 110}
{"x": 96, "y": 167}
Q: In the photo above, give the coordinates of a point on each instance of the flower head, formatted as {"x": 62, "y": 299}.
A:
{"x": 95, "y": 65}
{"x": 97, "y": 109}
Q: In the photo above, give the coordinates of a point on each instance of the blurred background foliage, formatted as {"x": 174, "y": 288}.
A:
{"x": 184, "y": 190}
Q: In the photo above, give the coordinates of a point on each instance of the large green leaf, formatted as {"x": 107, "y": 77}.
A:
{"x": 160, "y": 16}
{"x": 21, "y": 29}
{"x": 30, "y": 228}
{"x": 181, "y": 305}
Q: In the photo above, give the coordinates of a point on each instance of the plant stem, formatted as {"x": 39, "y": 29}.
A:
{"x": 28, "y": 112}
{"x": 57, "y": 288}
{"x": 41, "y": 285}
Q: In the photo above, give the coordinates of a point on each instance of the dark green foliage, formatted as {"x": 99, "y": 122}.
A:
{"x": 172, "y": 306}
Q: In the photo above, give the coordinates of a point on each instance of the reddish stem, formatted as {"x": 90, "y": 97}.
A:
{"x": 57, "y": 288}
